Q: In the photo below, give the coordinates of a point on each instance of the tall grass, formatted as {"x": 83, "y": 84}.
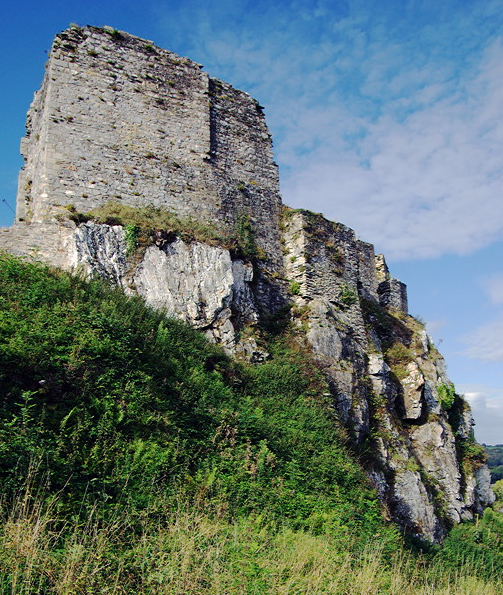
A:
{"x": 190, "y": 552}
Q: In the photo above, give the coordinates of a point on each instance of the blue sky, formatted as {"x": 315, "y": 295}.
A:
{"x": 386, "y": 116}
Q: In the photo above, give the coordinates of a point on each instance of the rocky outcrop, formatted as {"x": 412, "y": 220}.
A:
{"x": 385, "y": 376}
{"x": 119, "y": 119}
{"x": 195, "y": 282}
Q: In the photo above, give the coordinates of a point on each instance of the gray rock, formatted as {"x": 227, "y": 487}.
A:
{"x": 413, "y": 506}
{"x": 99, "y": 250}
{"x": 484, "y": 495}
{"x": 413, "y": 385}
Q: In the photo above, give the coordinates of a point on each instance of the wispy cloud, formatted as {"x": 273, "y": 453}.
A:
{"x": 423, "y": 185}
{"x": 388, "y": 119}
{"x": 494, "y": 289}
{"x": 486, "y": 342}
{"x": 487, "y": 408}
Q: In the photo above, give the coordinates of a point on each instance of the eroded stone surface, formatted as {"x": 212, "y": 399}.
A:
{"x": 413, "y": 385}
{"x": 434, "y": 447}
{"x": 484, "y": 496}
{"x": 199, "y": 284}
{"x": 412, "y": 505}
{"x": 99, "y": 250}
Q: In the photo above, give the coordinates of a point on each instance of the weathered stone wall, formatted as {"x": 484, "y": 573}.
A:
{"x": 327, "y": 261}
{"x": 46, "y": 241}
{"x": 392, "y": 292}
{"x": 120, "y": 119}
{"x": 329, "y": 270}
{"x": 242, "y": 160}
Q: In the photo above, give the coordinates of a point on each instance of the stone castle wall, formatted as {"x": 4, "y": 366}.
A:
{"x": 118, "y": 119}
{"x": 328, "y": 261}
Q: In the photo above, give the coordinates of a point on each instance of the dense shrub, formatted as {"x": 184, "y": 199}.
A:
{"x": 479, "y": 544}
{"x": 111, "y": 400}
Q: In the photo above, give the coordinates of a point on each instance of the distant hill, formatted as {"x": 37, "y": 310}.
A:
{"x": 495, "y": 461}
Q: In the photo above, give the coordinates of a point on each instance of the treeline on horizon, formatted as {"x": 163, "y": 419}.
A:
{"x": 136, "y": 457}
{"x": 495, "y": 461}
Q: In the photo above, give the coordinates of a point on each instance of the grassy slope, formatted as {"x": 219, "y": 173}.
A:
{"x": 133, "y": 451}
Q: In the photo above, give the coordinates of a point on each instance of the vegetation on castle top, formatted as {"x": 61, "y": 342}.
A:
{"x": 141, "y": 222}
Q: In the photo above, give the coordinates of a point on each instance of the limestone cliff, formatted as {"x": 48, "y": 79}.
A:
{"x": 120, "y": 121}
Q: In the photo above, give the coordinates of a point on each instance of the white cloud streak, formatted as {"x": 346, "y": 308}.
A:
{"x": 420, "y": 187}
{"x": 389, "y": 119}
{"x": 487, "y": 410}
{"x": 486, "y": 342}
{"x": 494, "y": 289}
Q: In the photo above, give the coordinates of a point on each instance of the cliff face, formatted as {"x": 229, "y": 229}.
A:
{"x": 120, "y": 120}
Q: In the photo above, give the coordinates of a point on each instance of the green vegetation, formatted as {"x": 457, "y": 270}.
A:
{"x": 471, "y": 454}
{"x": 347, "y": 296}
{"x": 446, "y": 395}
{"x": 494, "y": 455}
{"x": 194, "y": 553}
{"x": 114, "y": 34}
{"x": 141, "y": 222}
{"x": 101, "y": 392}
{"x": 495, "y": 461}
{"x": 398, "y": 356}
{"x": 295, "y": 288}
{"x": 151, "y": 218}
{"x": 136, "y": 458}
{"x": 497, "y": 473}
{"x": 243, "y": 238}
{"x": 132, "y": 233}
{"x": 498, "y": 492}
{"x": 480, "y": 544}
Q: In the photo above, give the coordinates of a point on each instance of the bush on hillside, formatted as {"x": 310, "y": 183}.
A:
{"x": 111, "y": 402}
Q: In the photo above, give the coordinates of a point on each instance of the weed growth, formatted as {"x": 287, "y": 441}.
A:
{"x": 398, "y": 357}
{"x": 295, "y": 288}
{"x": 347, "y": 296}
{"x": 446, "y": 395}
{"x": 141, "y": 222}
